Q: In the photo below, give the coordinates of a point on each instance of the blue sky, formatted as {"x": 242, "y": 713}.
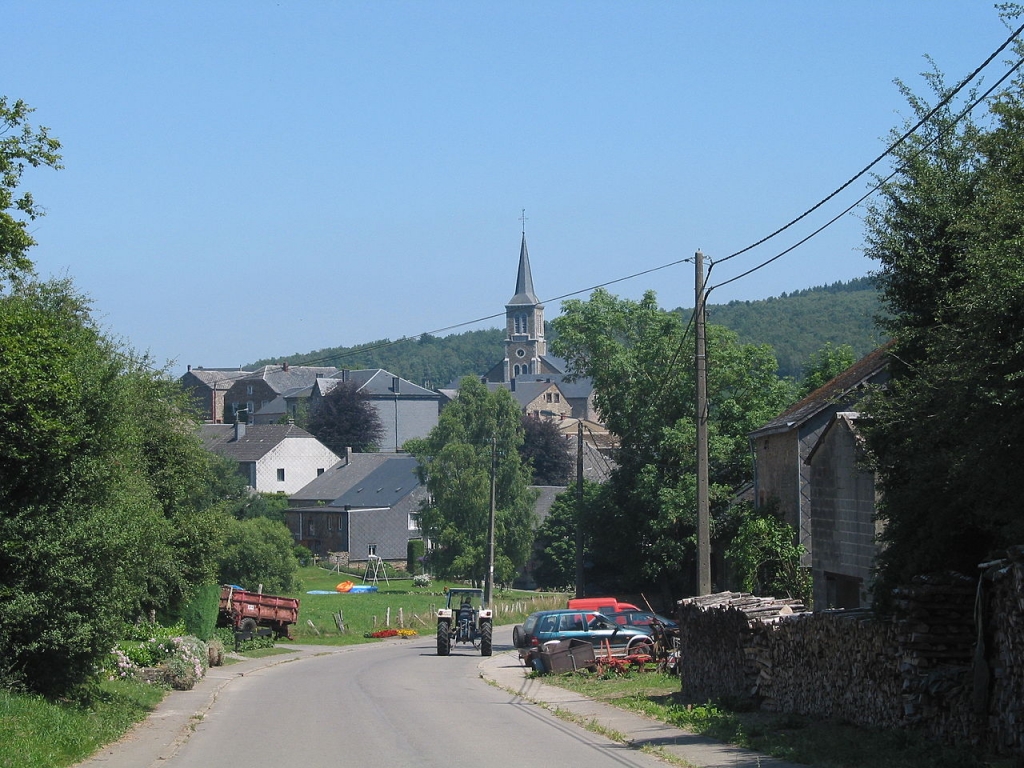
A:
{"x": 254, "y": 179}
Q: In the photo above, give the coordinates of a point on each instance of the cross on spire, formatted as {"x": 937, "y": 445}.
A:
{"x": 522, "y": 218}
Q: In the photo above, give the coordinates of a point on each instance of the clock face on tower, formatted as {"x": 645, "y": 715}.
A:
{"x": 520, "y": 353}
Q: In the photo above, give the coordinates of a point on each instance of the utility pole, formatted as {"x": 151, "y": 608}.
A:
{"x": 489, "y": 582}
{"x": 703, "y": 513}
{"x": 580, "y": 588}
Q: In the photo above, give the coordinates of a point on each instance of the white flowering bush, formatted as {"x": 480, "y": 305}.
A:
{"x": 119, "y": 666}
{"x": 421, "y": 580}
{"x": 188, "y": 662}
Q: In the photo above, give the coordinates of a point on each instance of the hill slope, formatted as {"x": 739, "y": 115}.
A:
{"x": 795, "y": 325}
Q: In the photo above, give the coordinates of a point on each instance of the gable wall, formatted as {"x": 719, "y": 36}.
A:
{"x": 300, "y": 457}
{"x": 842, "y": 517}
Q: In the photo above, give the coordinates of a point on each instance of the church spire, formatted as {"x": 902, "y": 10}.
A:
{"x": 524, "y": 280}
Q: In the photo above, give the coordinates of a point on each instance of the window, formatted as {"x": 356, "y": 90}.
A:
{"x": 280, "y": 474}
{"x": 319, "y": 471}
{"x": 413, "y": 525}
{"x": 248, "y": 389}
{"x": 371, "y": 550}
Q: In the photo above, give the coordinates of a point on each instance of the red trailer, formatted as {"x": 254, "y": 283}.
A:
{"x": 246, "y": 611}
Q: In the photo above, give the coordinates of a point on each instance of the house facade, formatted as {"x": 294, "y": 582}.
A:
{"x": 782, "y": 447}
{"x": 275, "y": 458}
{"x": 373, "y": 515}
{"x": 208, "y": 388}
{"x": 843, "y": 525}
{"x": 259, "y": 388}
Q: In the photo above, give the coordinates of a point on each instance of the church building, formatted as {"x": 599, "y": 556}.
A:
{"x": 526, "y": 351}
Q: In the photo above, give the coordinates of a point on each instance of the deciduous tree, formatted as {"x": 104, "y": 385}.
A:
{"x": 640, "y": 359}
{"x": 20, "y": 145}
{"x": 455, "y": 463}
{"x": 944, "y": 435}
{"x": 345, "y": 418}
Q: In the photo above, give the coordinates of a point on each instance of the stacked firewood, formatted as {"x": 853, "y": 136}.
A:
{"x": 715, "y": 637}
{"x": 936, "y": 634}
{"x": 1004, "y": 586}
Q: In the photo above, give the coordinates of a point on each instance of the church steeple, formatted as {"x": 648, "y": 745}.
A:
{"x": 524, "y": 320}
{"x": 524, "y": 280}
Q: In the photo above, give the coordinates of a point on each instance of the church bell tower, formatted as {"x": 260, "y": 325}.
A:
{"x": 524, "y": 324}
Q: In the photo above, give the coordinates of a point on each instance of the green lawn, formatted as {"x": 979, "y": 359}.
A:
{"x": 397, "y": 604}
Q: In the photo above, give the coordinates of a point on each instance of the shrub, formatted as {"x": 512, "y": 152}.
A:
{"x": 421, "y": 580}
{"x": 187, "y": 664}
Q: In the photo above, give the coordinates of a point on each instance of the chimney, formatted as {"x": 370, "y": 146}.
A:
{"x": 348, "y": 455}
{"x": 239, "y": 428}
{"x": 394, "y": 384}
{"x": 284, "y": 366}
{"x": 189, "y": 370}
{"x": 344, "y": 374}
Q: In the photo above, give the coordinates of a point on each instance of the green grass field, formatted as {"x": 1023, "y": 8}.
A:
{"x": 397, "y": 604}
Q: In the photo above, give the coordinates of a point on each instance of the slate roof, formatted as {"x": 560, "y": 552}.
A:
{"x": 375, "y": 382}
{"x": 524, "y": 281}
{"x": 282, "y": 378}
{"x": 830, "y": 393}
{"x": 385, "y": 486}
{"x": 211, "y": 376}
{"x": 340, "y": 478}
{"x": 257, "y": 442}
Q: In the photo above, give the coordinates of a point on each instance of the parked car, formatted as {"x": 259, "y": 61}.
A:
{"x": 563, "y": 624}
{"x": 641, "y": 619}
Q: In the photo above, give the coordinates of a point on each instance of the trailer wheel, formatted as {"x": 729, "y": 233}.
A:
{"x": 486, "y": 631}
{"x": 248, "y": 624}
{"x": 444, "y": 638}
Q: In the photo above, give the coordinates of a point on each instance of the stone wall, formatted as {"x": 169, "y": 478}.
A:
{"x": 950, "y": 663}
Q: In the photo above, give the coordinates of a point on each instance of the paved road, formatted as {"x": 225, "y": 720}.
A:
{"x": 393, "y": 704}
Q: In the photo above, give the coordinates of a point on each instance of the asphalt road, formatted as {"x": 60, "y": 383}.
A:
{"x": 394, "y": 704}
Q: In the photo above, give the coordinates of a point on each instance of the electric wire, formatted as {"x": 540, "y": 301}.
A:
{"x": 355, "y": 351}
{"x": 875, "y": 188}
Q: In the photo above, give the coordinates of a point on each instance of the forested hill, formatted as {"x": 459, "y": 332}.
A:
{"x": 798, "y": 324}
{"x": 795, "y": 324}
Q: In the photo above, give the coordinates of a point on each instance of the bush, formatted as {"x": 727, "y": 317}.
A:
{"x": 421, "y": 580}
{"x": 200, "y": 613}
{"x": 187, "y": 664}
{"x": 414, "y": 557}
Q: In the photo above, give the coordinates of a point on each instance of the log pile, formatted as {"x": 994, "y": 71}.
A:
{"x": 1004, "y": 633}
{"x": 935, "y": 635}
{"x": 924, "y": 668}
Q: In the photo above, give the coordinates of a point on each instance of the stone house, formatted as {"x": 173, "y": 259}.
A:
{"x": 373, "y": 514}
{"x": 263, "y": 386}
{"x": 782, "y": 447}
{"x": 207, "y": 387}
{"x": 843, "y": 525}
{"x": 273, "y": 458}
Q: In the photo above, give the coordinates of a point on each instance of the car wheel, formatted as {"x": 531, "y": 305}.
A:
{"x": 518, "y": 636}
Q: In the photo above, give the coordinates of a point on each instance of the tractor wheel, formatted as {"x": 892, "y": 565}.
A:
{"x": 444, "y": 639}
{"x": 486, "y": 631}
{"x": 248, "y": 624}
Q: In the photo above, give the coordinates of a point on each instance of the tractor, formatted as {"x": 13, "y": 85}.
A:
{"x": 464, "y": 620}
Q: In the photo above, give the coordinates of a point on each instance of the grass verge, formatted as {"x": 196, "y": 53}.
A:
{"x": 36, "y": 733}
{"x": 789, "y": 737}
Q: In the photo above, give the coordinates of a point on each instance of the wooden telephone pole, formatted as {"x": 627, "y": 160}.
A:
{"x": 703, "y": 512}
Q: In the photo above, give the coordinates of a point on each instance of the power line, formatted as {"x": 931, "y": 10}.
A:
{"x": 970, "y": 108}
{"x": 943, "y": 102}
